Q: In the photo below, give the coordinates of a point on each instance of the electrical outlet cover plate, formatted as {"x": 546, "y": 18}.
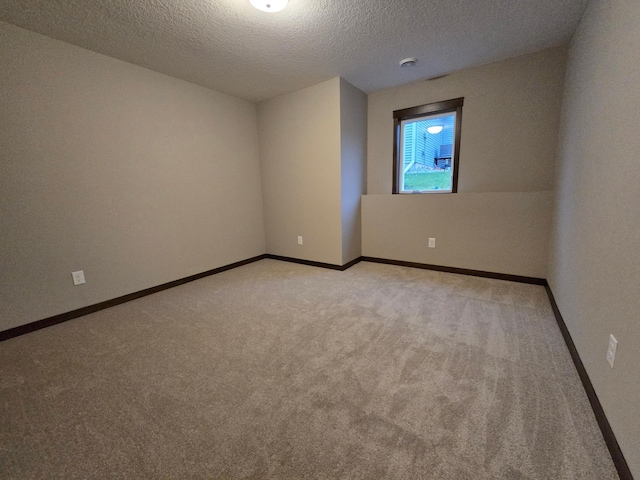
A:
{"x": 611, "y": 351}
{"x": 432, "y": 243}
{"x": 78, "y": 277}
{"x": 299, "y": 240}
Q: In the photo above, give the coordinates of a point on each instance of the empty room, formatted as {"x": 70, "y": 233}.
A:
{"x": 320, "y": 239}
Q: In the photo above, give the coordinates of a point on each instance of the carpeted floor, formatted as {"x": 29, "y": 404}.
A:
{"x": 279, "y": 370}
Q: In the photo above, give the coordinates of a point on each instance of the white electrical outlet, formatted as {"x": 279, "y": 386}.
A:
{"x": 432, "y": 243}
{"x": 611, "y": 351}
{"x": 78, "y": 277}
{"x": 299, "y": 240}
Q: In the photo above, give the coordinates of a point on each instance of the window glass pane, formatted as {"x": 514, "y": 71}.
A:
{"x": 427, "y": 145}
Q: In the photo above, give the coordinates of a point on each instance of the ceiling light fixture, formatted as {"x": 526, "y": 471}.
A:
{"x": 408, "y": 62}
{"x": 270, "y": 6}
{"x": 435, "y": 129}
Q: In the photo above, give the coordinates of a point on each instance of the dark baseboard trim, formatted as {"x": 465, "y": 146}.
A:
{"x": 461, "y": 271}
{"x": 609, "y": 437}
{"x": 331, "y": 266}
{"x": 64, "y": 317}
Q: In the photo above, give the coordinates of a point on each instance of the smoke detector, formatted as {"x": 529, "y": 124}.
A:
{"x": 408, "y": 62}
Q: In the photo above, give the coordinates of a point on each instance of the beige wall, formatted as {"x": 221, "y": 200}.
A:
{"x": 509, "y": 123}
{"x": 300, "y": 162}
{"x": 595, "y": 261}
{"x": 496, "y": 232}
{"x": 353, "y": 152}
{"x": 313, "y": 161}
{"x": 510, "y": 120}
{"x": 132, "y": 176}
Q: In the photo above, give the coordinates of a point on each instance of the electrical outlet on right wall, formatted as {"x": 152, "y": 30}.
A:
{"x": 611, "y": 351}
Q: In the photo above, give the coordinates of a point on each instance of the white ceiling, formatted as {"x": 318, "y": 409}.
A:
{"x": 229, "y": 46}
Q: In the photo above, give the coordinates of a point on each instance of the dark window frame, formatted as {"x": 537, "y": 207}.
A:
{"x": 453, "y": 105}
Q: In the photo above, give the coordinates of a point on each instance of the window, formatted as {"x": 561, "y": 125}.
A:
{"x": 426, "y": 147}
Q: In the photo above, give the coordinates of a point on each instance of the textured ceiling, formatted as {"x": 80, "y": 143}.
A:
{"x": 229, "y": 46}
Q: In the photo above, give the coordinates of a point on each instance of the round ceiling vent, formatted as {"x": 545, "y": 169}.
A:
{"x": 408, "y": 62}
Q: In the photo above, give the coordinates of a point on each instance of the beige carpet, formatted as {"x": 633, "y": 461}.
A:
{"x": 279, "y": 370}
